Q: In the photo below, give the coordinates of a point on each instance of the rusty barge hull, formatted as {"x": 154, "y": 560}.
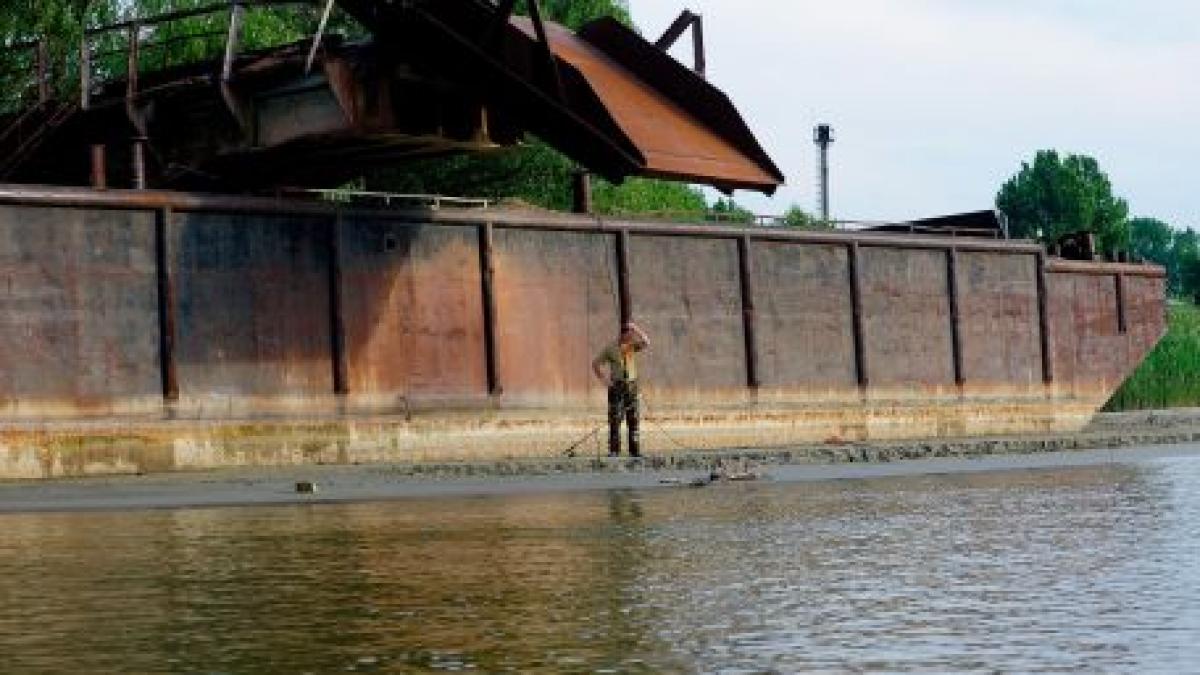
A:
{"x": 137, "y": 323}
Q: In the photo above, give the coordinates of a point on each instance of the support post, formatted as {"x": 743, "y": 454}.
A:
{"x": 166, "y": 304}
{"x": 134, "y": 57}
{"x": 624, "y": 294}
{"x": 99, "y": 167}
{"x": 955, "y": 315}
{"x": 699, "y": 61}
{"x": 686, "y": 19}
{"x": 1122, "y": 319}
{"x": 85, "y": 73}
{"x": 1044, "y": 320}
{"x": 487, "y": 277}
{"x": 856, "y": 312}
{"x": 582, "y": 191}
{"x": 337, "y": 321}
{"x": 746, "y": 269}
{"x": 43, "y": 71}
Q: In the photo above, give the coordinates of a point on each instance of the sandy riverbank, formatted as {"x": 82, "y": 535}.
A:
{"x": 337, "y": 484}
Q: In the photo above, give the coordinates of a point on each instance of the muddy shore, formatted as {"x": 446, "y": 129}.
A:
{"x": 1113, "y": 438}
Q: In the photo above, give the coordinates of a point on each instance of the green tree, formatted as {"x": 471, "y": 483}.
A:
{"x": 575, "y": 13}
{"x": 728, "y": 211}
{"x": 800, "y": 219}
{"x": 1056, "y": 195}
{"x": 1184, "y": 272}
{"x": 646, "y": 196}
{"x": 1153, "y": 240}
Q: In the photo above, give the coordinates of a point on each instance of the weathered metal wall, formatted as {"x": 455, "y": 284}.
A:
{"x": 1102, "y": 325}
{"x": 411, "y": 311}
{"x": 906, "y": 321}
{"x": 557, "y": 305}
{"x": 998, "y": 306}
{"x": 686, "y": 295}
{"x": 252, "y": 310}
{"x": 78, "y": 312}
{"x": 804, "y": 320}
{"x": 480, "y": 326}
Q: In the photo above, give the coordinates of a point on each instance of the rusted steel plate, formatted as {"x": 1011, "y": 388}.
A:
{"x": 687, "y": 296}
{"x": 998, "y": 305}
{"x": 804, "y": 330}
{"x": 413, "y": 311}
{"x": 557, "y": 307}
{"x": 906, "y": 316}
{"x": 1089, "y": 350}
{"x": 78, "y": 315}
{"x": 253, "y": 306}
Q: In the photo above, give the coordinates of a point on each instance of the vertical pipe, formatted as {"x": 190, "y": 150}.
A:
{"x": 166, "y": 304}
{"x": 746, "y": 268}
{"x": 856, "y": 314}
{"x": 85, "y": 73}
{"x": 625, "y": 296}
{"x": 337, "y": 321}
{"x": 99, "y": 167}
{"x": 487, "y": 277}
{"x": 581, "y": 183}
{"x": 1122, "y": 319}
{"x": 955, "y": 315}
{"x": 1044, "y": 320}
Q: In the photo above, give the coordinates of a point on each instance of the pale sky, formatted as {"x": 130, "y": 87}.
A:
{"x": 935, "y": 103}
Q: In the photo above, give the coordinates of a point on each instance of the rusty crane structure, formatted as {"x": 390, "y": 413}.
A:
{"x": 432, "y": 78}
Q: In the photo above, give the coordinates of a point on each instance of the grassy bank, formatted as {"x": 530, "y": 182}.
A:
{"x": 1170, "y": 376}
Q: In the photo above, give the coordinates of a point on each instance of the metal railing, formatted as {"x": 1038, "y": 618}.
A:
{"x": 120, "y": 50}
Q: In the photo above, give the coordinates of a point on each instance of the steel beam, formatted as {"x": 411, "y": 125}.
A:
{"x": 746, "y": 273}
{"x": 1122, "y": 318}
{"x": 337, "y": 320}
{"x": 624, "y": 294}
{"x": 166, "y": 304}
{"x": 487, "y": 277}
{"x": 1043, "y": 292}
{"x": 856, "y": 314}
{"x": 955, "y": 315}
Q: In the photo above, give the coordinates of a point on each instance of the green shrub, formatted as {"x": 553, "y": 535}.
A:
{"x": 1170, "y": 375}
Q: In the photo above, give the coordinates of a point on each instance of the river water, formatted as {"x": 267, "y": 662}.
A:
{"x": 1090, "y": 568}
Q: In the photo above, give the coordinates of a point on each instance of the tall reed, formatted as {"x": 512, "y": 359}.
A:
{"x": 1170, "y": 375}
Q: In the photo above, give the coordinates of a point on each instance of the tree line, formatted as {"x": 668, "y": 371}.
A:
{"x": 1056, "y": 195}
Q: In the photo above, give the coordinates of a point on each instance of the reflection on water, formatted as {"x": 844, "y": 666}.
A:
{"x": 1089, "y": 568}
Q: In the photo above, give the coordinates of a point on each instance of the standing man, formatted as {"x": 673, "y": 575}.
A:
{"x": 621, "y": 380}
